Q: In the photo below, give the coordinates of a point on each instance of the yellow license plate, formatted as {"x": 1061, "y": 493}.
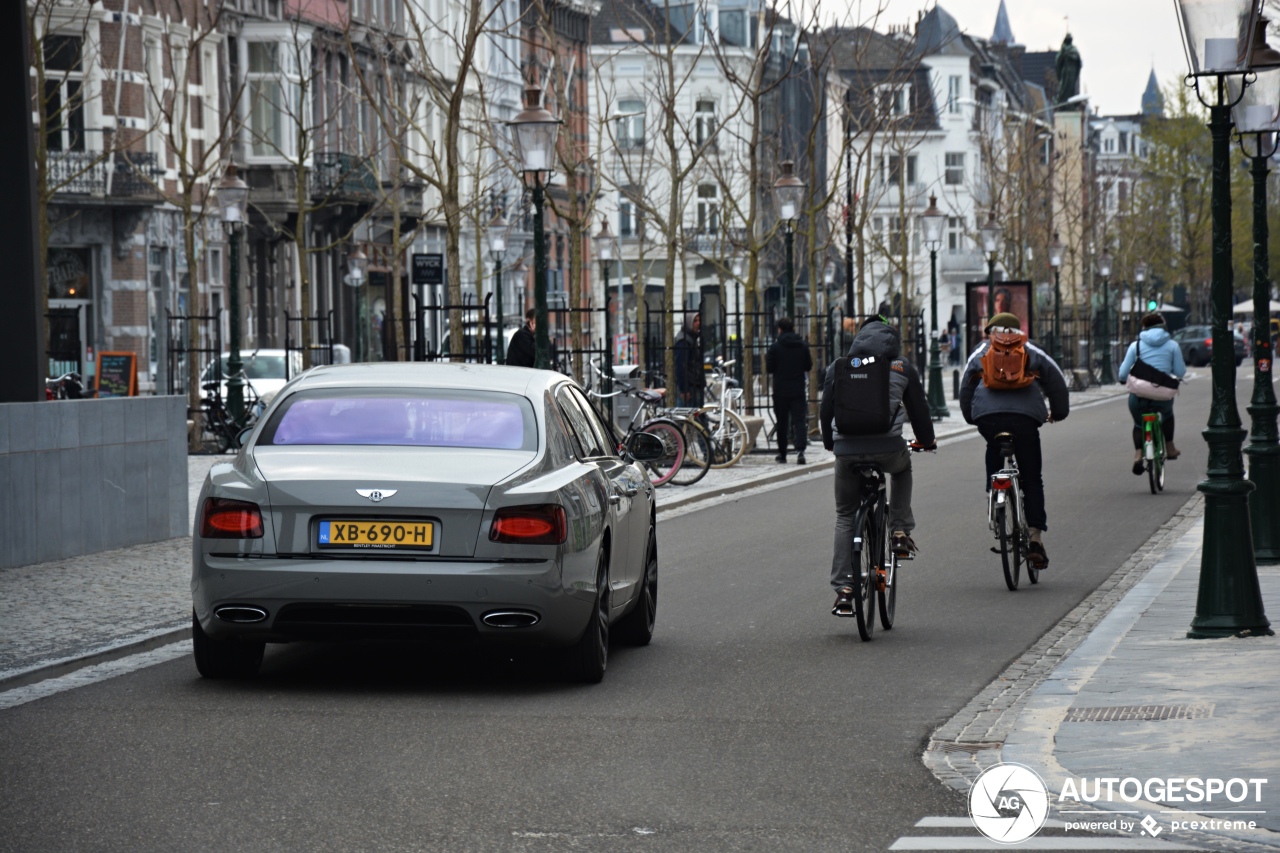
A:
{"x": 376, "y": 534}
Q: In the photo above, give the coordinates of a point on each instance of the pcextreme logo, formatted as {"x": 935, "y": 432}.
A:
{"x": 1008, "y": 803}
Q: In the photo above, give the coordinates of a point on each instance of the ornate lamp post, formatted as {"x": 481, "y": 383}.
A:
{"x": 1257, "y": 120}
{"x": 788, "y": 192}
{"x": 933, "y": 222}
{"x": 497, "y": 251}
{"x": 604, "y": 251}
{"x": 1229, "y": 601}
{"x": 1056, "y": 251}
{"x": 535, "y": 130}
{"x": 992, "y": 235}
{"x": 233, "y": 203}
{"x": 1104, "y": 270}
{"x": 357, "y": 263}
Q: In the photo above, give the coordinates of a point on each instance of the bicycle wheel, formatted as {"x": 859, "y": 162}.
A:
{"x": 729, "y": 437}
{"x": 1024, "y": 545}
{"x": 869, "y": 558}
{"x": 1008, "y": 547}
{"x": 1155, "y": 459}
{"x": 888, "y": 591}
{"x": 665, "y": 467}
{"x": 697, "y": 453}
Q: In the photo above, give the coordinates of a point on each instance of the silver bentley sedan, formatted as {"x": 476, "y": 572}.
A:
{"x": 427, "y": 501}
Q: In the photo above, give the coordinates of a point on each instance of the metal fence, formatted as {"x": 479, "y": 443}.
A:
{"x": 208, "y": 333}
{"x": 321, "y": 349}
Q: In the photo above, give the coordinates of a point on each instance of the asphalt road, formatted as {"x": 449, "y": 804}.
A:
{"x": 755, "y": 720}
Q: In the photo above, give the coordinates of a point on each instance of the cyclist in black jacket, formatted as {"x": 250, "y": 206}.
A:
{"x": 907, "y": 401}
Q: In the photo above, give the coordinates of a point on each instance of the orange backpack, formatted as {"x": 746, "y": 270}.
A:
{"x": 1004, "y": 364}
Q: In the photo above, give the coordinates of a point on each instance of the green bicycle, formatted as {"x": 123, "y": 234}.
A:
{"x": 1153, "y": 451}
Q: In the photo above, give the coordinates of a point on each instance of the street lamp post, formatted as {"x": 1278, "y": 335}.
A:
{"x": 357, "y": 263}
{"x": 788, "y": 191}
{"x": 604, "y": 250}
{"x": 497, "y": 251}
{"x": 933, "y": 222}
{"x": 829, "y": 283}
{"x": 992, "y": 234}
{"x": 535, "y": 130}
{"x": 1104, "y": 270}
{"x": 1229, "y": 600}
{"x": 1056, "y": 250}
{"x": 233, "y": 203}
{"x": 1257, "y": 119}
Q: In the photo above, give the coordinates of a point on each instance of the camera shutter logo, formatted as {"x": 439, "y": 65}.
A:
{"x": 1008, "y": 803}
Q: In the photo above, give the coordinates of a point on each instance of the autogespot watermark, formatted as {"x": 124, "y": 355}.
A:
{"x": 1009, "y": 803}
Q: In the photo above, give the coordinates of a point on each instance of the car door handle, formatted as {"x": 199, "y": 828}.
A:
{"x": 615, "y": 499}
{"x": 630, "y": 493}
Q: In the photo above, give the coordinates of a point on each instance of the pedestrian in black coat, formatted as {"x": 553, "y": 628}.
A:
{"x": 789, "y": 360}
{"x": 691, "y": 377}
{"x": 523, "y": 350}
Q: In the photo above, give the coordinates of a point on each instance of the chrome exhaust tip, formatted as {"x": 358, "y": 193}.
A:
{"x": 240, "y": 614}
{"x": 511, "y": 619}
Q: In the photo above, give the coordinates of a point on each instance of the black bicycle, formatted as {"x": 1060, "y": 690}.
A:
{"x": 873, "y": 556}
{"x": 1007, "y": 517}
{"x": 221, "y": 430}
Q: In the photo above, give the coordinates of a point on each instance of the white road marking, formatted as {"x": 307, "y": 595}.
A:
{"x": 92, "y": 674}
{"x": 1037, "y": 843}
{"x": 966, "y": 823}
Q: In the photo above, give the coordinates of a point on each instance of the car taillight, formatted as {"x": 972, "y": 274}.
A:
{"x": 1208, "y": 342}
{"x": 223, "y": 518}
{"x": 541, "y": 524}
{"x": 1001, "y": 483}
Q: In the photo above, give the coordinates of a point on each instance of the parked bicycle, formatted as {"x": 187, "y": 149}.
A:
{"x": 1007, "y": 518}
{"x": 1153, "y": 450}
{"x": 69, "y": 386}
{"x": 726, "y": 429}
{"x": 221, "y": 430}
{"x": 664, "y": 468}
{"x": 873, "y": 558}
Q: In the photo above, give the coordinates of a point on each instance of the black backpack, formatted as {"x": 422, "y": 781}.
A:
{"x": 861, "y": 392}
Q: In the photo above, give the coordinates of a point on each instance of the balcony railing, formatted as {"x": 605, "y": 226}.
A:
{"x": 86, "y": 173}
{"x": 336, "y": 175}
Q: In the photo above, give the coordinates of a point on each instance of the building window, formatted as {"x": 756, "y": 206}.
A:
{"x": 705, "y": 122}
{"x": 274, "y": 90}
{"x": 955, "y": 235}
{"x": 895, "y": 100}
{"x": 955, "y": 168}
{"x": 630, "y": 127}
{"x": 954, "y": 93}
{"x": 1109, "y": 145}
{"x": 64, "y": 93}
{"x": 1124, "y": 142}
{"x": 629, "y": 217}
{"x": 708, "y": 209}
{"x": 895, "y": 174}
{"x": 897, "y": 236}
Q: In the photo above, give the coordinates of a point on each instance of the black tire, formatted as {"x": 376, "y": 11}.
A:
{"x": 864, "y": 589}
{"x": 1008, "y": 547}
{"x": 636, "y": 628}
{"x": 661, "y": 470}
{"x": 1155, "y": 473}
{"x": 224, "y": 658}
{"x": 697, "y": 453}
{"x": 889, "y": 595}
{"x": 587, "y": 659}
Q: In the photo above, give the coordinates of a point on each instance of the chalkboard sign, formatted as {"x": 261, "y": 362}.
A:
{"x": 117, "y": 374}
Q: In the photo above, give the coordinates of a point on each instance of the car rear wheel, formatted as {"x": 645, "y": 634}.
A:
{"x": 224, "y": 658}
{"x": 636, "y": 628}
{"x": 587, "y": 659}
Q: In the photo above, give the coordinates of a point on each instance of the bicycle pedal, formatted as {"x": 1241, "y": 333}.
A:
{"x": 996, "y": 551}
{"x": 881, "y": 580}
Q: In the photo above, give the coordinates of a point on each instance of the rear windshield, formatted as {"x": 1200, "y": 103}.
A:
{"x": 428, "y": 418}
{"x": 255, "y": 367}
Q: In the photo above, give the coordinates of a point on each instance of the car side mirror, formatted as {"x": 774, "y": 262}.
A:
{"x": 242, "y": 437}
{"x": 643, "y": 447}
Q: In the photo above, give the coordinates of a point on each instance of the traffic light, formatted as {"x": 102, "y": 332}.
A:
{"x": 1153, "y": 301}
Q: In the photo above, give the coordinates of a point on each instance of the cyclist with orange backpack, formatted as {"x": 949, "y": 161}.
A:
{"x": 1003, "y": 389}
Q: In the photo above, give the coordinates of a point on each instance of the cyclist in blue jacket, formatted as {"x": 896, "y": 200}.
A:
{"x": 1163, "y": 353}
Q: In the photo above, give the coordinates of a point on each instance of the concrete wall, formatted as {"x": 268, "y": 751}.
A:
{"x": 81, "y": 476}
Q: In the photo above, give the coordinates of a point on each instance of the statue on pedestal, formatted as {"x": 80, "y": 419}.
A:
{"x": 1067, "y": 68}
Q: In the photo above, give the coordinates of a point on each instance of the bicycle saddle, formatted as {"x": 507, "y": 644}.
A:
{"x": 653, "y": 395}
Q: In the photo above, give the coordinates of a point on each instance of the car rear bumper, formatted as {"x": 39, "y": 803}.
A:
{"x": 302, "y": 599}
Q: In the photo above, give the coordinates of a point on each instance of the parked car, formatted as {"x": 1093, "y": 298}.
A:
{"x": 1196, "y": 343}
{"x": 264, "y": 370}
{"x": 427, "y": 501}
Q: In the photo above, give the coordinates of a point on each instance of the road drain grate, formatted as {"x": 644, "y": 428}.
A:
{"x": 954, "y": 746}
{"x": 1139, "y": 713}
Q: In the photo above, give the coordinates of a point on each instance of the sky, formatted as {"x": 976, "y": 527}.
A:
{"x": 1120, "y": 41}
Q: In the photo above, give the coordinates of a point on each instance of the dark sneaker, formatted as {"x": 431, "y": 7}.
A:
{"x": 800, "y": 459}
{"x": 781, "y": 457}
{"x": 1139, "y": 466}
{"x": 902, "y": 544}
{"x": 844, "y": 602}
{"x": 1036, "y": 556}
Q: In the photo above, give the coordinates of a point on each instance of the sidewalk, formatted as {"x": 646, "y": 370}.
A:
{"x": 1117, "y": 691}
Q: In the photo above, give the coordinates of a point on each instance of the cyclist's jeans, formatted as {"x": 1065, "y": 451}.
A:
{"x": 848, "y": 495}
{"x": 1138, "y": 405}
{"x": 792, "y": 412}
{"x": 1026, "y": 446}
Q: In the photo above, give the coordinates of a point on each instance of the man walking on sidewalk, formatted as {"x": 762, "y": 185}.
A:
{"x": 789, "y": 361}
